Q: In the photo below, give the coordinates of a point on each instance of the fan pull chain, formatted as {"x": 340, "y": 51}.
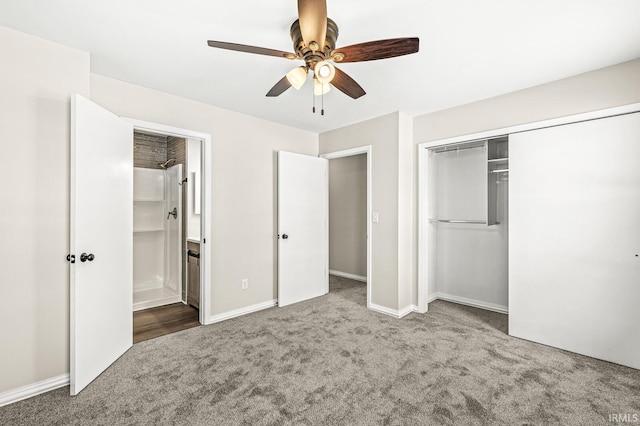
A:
{"x": 314, "y": 101}
{"x": 322, "y": 110}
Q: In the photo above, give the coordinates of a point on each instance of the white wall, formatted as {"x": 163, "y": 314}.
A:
{"x": 603, "y": 88}
{"x": 36, "y": 80}
{"x": 470, "y": 261}
{"x": 406, "y": 273}
{"x": 348, "y": 215}
{"x": 391, "y": 236}
{"x": 194, "y": 166}
{"x": 382, "y": 134}
{"x": 243, "y": 159}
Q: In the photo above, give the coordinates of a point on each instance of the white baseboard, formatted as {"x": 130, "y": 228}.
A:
{"x": 470, "y": 302}
{"x": 24, "y": 392}
{"x": 348, "y": 275}
{"x": 432, "y": 298}
{"x": 242, "y": 311}
{"x": 396, "y": 313}
{"x": 406, "y": 311}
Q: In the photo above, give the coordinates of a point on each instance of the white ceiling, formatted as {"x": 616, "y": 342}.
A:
{"x": 469, "y": 49}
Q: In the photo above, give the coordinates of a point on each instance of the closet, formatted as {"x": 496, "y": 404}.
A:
{"x": 468, "y": 222}
{"x": 541, "y": 223}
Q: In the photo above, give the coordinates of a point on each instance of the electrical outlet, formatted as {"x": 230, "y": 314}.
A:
{"x": 245, "y": 283}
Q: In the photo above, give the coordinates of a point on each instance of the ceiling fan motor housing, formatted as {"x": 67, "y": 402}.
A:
{"x": 304, "y": 52}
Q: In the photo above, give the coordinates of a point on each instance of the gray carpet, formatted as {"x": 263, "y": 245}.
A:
{"x": 331, "y": 361}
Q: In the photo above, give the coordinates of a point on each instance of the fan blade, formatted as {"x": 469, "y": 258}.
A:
{"x": 250, "y": 49}
{"x": 380, "y": 49}
{"x": 347, "y": 85}
{"x": 312, "y": 16}
{"x": 279, "y": 88}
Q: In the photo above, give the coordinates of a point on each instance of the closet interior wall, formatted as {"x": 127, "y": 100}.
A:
{"x": 468, "y": 255}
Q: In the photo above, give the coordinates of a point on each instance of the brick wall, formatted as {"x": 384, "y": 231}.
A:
{"x": 176, "y": 148}
{"x": 149, "y": 150}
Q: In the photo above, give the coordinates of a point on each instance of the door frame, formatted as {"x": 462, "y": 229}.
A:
{"x": 366, "y": 149}
{"x": 423, "y": 148}
{"x": 205, "y": 212}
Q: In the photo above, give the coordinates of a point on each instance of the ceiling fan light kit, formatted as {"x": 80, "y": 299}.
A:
{"x": 314, "y": 39}
{"x": 324, "y": 72}
{"x": 320, "y": 88}
{"x": 297, "y": 77}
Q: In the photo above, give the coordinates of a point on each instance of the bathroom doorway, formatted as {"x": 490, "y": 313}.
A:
{"x": 167, "y": 233}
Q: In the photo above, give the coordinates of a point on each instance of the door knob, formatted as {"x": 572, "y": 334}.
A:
{"x": 84, "y": 257}
{"x": 285, "y": 236}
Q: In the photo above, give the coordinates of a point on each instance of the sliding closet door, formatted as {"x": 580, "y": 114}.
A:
{"x": 574, "y": 246}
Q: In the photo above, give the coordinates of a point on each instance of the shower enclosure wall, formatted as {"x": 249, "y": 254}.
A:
{"x": 157, "y": 236}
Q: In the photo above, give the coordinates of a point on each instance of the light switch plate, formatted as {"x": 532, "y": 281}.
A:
{"x": 375, "y": 218}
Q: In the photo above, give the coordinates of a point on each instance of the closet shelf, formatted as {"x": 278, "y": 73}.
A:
{"x": 473, "y": 222}
{"x": 498, "y": 160}
{"x": 500, "y": 171}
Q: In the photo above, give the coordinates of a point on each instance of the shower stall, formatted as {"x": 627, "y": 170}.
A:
{"x": 157, "y": 236}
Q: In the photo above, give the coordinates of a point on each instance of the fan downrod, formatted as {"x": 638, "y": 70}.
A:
{"x": 312, "y": 56}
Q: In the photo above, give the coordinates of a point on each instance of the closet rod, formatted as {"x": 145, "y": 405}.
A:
{"x": 477, "y": 222}
{"x": 500, "y": 171}
{"x": 457, "y": 147}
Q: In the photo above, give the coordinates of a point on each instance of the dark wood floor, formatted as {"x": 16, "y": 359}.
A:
{"x": 156, "y": 322}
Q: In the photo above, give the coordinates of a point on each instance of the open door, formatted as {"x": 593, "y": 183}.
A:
{"x": 303, "y": 210}
{"x": 101, "y": 229}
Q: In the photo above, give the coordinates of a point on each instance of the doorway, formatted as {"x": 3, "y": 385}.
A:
{"x": 463, "y": 223}
{"x": 350, "y": 215}
{"x": 166, "y": 233}
{"x": 182, "y": 155}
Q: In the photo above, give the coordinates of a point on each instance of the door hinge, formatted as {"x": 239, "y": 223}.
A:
{"x": 71, "y": 258}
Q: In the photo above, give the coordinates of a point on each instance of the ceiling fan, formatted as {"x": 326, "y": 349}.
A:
{"x": 314, "y": 37}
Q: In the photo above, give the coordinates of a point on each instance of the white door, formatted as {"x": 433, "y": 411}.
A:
{"x": 101, "y": 230}
{"x": 303, "y": 211}
{"x": 574, "y": 237}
